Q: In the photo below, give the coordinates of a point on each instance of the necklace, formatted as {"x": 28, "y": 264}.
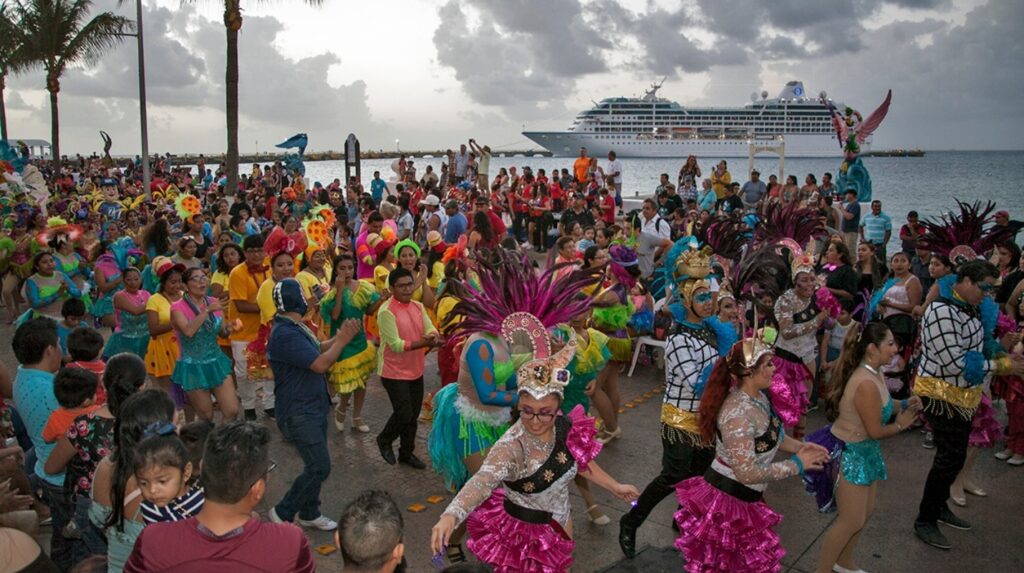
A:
{"x": 871, "y": 369}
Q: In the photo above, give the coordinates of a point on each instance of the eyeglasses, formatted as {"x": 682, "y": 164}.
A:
{"x": 528, "y": 414}
{"x": 270, "y": 468}
{"x": 986, "y": 287}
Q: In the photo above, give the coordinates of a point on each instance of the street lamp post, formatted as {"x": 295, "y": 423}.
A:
{"x": 146, "y": 176}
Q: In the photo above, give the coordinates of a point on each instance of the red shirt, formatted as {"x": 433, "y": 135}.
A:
{"x": 182, "y": 546}
{"x": 97, "y": 367}
{"x": 608, "y": 209}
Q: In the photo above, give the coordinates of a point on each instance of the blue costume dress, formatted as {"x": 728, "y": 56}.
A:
{"x": 202, "y": 366}
{"x": 861, "y": 463}
{"x": 132, "y": 333}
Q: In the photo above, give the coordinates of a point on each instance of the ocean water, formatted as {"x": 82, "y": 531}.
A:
{"x": 927, "y": 184}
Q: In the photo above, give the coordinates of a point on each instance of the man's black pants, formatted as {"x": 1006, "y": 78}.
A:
{"x": 406, "y": 400}
{"x": 951, "y": 434}
{"x": 679, "y": 460}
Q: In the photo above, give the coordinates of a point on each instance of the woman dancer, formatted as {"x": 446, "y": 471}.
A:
{"x": 797, "y": 348}
{"x": 162, "y": 351}
{"x": 726, "y": 525}
{"x": 203, "y": 369}
{"x": 47, "y": 288}
{"x": 612, "y": 311}
{"x": 865, "y": 414}
{"x": 131, "y": 330}
{"x": 490, "y": 322}
{"x": 350, "y": 298}
{"x": 526, "y": 526}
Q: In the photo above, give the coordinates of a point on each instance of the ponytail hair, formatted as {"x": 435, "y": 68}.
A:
{"x": 855, "y": 345}
{"x": 724, "y": 377}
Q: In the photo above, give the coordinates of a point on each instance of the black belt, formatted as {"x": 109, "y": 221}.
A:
{"x": 535, "y": 516}
{"x": 788, "y": 356}
{"x": 732, "y": 487}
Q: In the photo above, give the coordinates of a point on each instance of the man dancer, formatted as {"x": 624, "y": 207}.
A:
{"x": 405, "y": 330}
{"x": 243, "y": 284}
{"x": 690, "y": 353}
{"x": 954, "y": 365}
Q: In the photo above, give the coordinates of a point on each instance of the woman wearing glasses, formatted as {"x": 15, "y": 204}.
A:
{"x": 526, "y": 526}
{"x": 202, "y": 368}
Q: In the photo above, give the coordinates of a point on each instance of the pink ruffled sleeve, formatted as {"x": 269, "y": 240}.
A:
{"x": 581, "y": 441}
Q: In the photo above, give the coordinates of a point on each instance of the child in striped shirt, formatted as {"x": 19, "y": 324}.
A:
{"x": 163, "y": 469}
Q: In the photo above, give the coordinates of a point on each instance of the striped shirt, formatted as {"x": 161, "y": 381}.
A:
{"x": 182, "y": 507}
{"x": 875, "y": 227}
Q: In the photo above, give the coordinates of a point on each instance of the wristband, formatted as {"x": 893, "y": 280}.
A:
{"x": 904, "y": 403}
{"x": 799, "y": 464}
{"x": 898, "y": 426}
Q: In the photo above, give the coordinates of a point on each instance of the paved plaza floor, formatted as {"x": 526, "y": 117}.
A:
{"x": 888, "y": 545}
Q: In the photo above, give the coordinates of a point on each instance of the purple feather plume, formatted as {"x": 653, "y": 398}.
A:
{"x": 949, "y": 231}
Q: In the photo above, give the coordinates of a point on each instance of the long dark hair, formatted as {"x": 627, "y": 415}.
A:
{"x": 222, "y": 266}
{"x": 138, "y": 412}
{"x": 725, "y": 375}
{"x": 157, "y": 236}
{"x": 482, "y": 225}
{"x": 855, "y": 345}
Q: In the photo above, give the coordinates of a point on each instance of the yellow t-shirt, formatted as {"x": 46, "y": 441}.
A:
{"x": 161, "y": 306}
{"x": 308, "y": 280}
{"x": 265, "y": 300}
{"x": 244, "y": 287}
{"x": 221, "y": 279}
{"x": 437, "y": 275}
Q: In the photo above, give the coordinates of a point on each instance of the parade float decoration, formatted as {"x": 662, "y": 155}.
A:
{"x": 853, "y": 130}
{"x": 293, "y": 161}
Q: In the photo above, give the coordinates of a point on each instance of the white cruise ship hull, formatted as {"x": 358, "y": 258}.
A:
{"x": 568, "y": 143}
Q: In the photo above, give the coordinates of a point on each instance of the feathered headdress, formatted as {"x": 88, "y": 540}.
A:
{"x": 789, "y": 222}
{"x": 761, "y": 272}
{"x": 508, "y": 284}
{"x": 963, "y": 237}
{"x": 725, "y": 235}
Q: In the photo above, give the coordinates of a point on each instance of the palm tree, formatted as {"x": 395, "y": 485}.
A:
{"x": 233, "y": 23}
{"x": 58, "y": 34}
{"x": 10, "y": 41}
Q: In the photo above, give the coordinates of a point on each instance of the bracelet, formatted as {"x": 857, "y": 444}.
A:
{"x": 898, "y": 426}
{"x": 799, "y": 463}
{"x": 904, "y": 403}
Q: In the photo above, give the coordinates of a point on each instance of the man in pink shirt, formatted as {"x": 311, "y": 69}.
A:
{"x": 405, "y": 330}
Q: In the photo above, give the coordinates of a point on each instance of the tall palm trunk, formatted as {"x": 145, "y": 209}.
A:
{"x": 3, "y": 109}
{"x": 53, "y": 86}
{"x": 232, "y": 22}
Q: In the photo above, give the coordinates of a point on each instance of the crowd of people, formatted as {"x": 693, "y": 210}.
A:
{"x": 161, "y": 333}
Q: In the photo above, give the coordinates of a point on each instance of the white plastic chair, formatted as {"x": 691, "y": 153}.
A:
{"x": 642, "y": 341}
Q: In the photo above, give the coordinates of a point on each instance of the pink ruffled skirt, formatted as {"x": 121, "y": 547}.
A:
{"x": 788, "y": 392}
{"x": 985, "y": 429}
{"x": 723, "y": 534}
{"x": 509, "y": 545}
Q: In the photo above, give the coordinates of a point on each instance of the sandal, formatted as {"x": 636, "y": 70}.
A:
{"x": 455, "y": 554}
{"x": 359, "y": 426}
{"x": 339, "y": 419}
{"x": 600, "y": 518}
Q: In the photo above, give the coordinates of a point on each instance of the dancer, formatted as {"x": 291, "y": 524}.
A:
{"x": 131, "y": 330}
{"x": 490, "y": 320}
{"x": 690, "y": 353}
{"x": 526, "y": 526}
{"x": 726, "y": 525}
{"x": 865, "y": 414}
{"x": 163, "y": 351}
{"x": 957, "y": 355}
{"x": 799, "y": 319}
{"x": 203, "y": 369}
{"x": 350, "y": 298}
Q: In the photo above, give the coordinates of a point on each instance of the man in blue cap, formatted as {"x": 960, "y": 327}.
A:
{"x": 303, "y": 405}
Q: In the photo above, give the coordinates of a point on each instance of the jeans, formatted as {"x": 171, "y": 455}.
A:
{"x": 246, "y": 387}
{"x": 308, "y": 433}
{"x": 679, "y": 460}
{"x": 62, "y": 549}
{"x": 519, "y": 226}
{"x": 951, "y": 435}
{"x": 406, "y": 400}
{"x": 93, "y": 540}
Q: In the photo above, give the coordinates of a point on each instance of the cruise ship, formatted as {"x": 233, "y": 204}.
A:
{"x": 651, "y": 126}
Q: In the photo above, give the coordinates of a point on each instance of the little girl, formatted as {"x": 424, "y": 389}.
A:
{"x": 162, "y": 469}
{"x": 642, "y": 321}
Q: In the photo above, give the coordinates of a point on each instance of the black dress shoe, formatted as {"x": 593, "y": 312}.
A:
{"x": 947, "y": 518}
{"x": 627, "y": 537}
{"x": 412, "y": 461}
{"x": 930, "y": 534}
{"x": 386, "y": 452}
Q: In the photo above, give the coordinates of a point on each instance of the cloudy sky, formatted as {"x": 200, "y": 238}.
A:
{"x": 432, "y": 73}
